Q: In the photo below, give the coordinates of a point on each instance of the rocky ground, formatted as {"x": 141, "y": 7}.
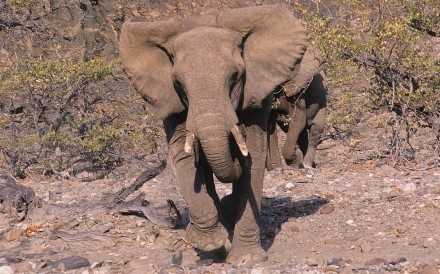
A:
{"x": 353, "y": 213}
{"x": 346, "y": 216}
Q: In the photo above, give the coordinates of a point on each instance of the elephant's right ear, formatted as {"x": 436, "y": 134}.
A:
{"x": 143, "y": 54}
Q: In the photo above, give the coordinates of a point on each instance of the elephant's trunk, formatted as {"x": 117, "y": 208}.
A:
{"x": 214, "y": 139}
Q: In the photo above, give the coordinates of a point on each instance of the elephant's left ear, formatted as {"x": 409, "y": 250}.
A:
{"x": 274, "y": 42}
{"x": 310, "y": 66}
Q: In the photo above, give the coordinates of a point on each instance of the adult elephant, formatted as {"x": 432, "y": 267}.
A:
{"x": 299, "y": 109}
{"x": 211, "y": 78}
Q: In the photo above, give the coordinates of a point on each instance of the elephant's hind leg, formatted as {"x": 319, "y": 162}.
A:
{"x": 315, "y": 133}
{"x": 297, "y": 124}
{"x": 204, "y": 231}
{"x": 273, "y": 159}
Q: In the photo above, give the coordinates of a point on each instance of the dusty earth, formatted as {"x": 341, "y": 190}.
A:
{"x": 353, "y": 213}
{"x": 350, "y": 214}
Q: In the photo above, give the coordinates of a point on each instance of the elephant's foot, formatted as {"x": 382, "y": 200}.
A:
{"x": 294, "y": 164}
{"x": 207, "y": 239}
{"x": 247, "y": 255}
{"x": 308, "y": 164}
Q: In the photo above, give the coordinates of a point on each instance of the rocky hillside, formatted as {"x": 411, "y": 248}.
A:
{"x": 82, "y": 29}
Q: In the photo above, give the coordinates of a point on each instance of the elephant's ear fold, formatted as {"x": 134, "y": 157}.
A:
{"x": 310, "y": 66}
{"x": 143, "y": 54}
{"x": 274, "y": 42}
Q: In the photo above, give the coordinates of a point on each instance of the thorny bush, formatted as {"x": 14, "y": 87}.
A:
{"x": 58, "y": 115}
{"x": 386, "y": 53}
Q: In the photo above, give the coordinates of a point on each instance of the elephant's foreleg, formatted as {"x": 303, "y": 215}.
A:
{"x": 246, "y": 240}
{"x": 273, "y": 159}
{"x": 297, "y": 124}
{"x": 204, "y": 230}
{"x": 316, "y": 129}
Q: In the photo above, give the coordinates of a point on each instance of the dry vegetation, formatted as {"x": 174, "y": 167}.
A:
{"x": 68, "y": 114}
{"x": 65, "y": 113}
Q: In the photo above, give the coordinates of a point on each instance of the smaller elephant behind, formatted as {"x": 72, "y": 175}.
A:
{"x": 299, "y": 110}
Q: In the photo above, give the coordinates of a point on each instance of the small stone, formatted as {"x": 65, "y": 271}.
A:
{"x": 311, "y": 262}
{"x": 40, "y": 266}
{"x": 22, "y": 267}
{"x": 172, "y": 259}
{"x": 96, "y": 265}
{"x": 289, "y": 185}
{"x": 429, "y": 270}
{"x": 336, "y": 261}
{"x": 376, "y": 261}
{"x": 350, "y": 222}
{"x": 70, "y": 263}
{"x": 110, "y": 269}
{"x": 333, "y": 241}
{"x": 365, "y": 248}
{"x": 166, "y": 270}
{"x": 205, "y": 262}
{"x": 409, "y": 188}
{"x": 388, "y": 196}
{"x": 6, "y": 270}
{"x": 151, "y": 236}
{"x": 327, "y": 209}
{"x": 12, "y": 235}
{"x": 331, "y": 269}
{"x": 138, "y": 266}
{"x": 399, "y": 260}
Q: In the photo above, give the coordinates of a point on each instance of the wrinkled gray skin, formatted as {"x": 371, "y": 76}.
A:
{"x": 202, "y": 76}
{"x": 303, "y": 100}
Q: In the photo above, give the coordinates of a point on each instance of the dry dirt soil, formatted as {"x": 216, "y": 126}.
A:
{"x": 352, "y": 214}
{"x": 349, "y": 215}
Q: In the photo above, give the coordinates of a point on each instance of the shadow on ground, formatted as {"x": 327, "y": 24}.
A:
{"x": 274, "y": 212}
{"x": 278, "y": 210}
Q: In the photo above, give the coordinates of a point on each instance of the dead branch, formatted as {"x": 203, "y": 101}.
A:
{"x": 147, "y": 175}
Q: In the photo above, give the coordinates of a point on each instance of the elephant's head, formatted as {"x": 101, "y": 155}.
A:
{"x": 213, "y": 66}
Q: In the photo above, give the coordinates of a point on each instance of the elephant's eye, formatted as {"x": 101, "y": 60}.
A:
{"x": 234, "y": 77}
{"x": 235, "y": 87}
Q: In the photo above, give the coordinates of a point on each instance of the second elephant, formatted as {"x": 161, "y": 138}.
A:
{"x": 299, "y": 110}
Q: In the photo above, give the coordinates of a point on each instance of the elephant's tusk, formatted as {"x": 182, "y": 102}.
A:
{"x": 240, "y": 140}
{"x": 189, "y": 142}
